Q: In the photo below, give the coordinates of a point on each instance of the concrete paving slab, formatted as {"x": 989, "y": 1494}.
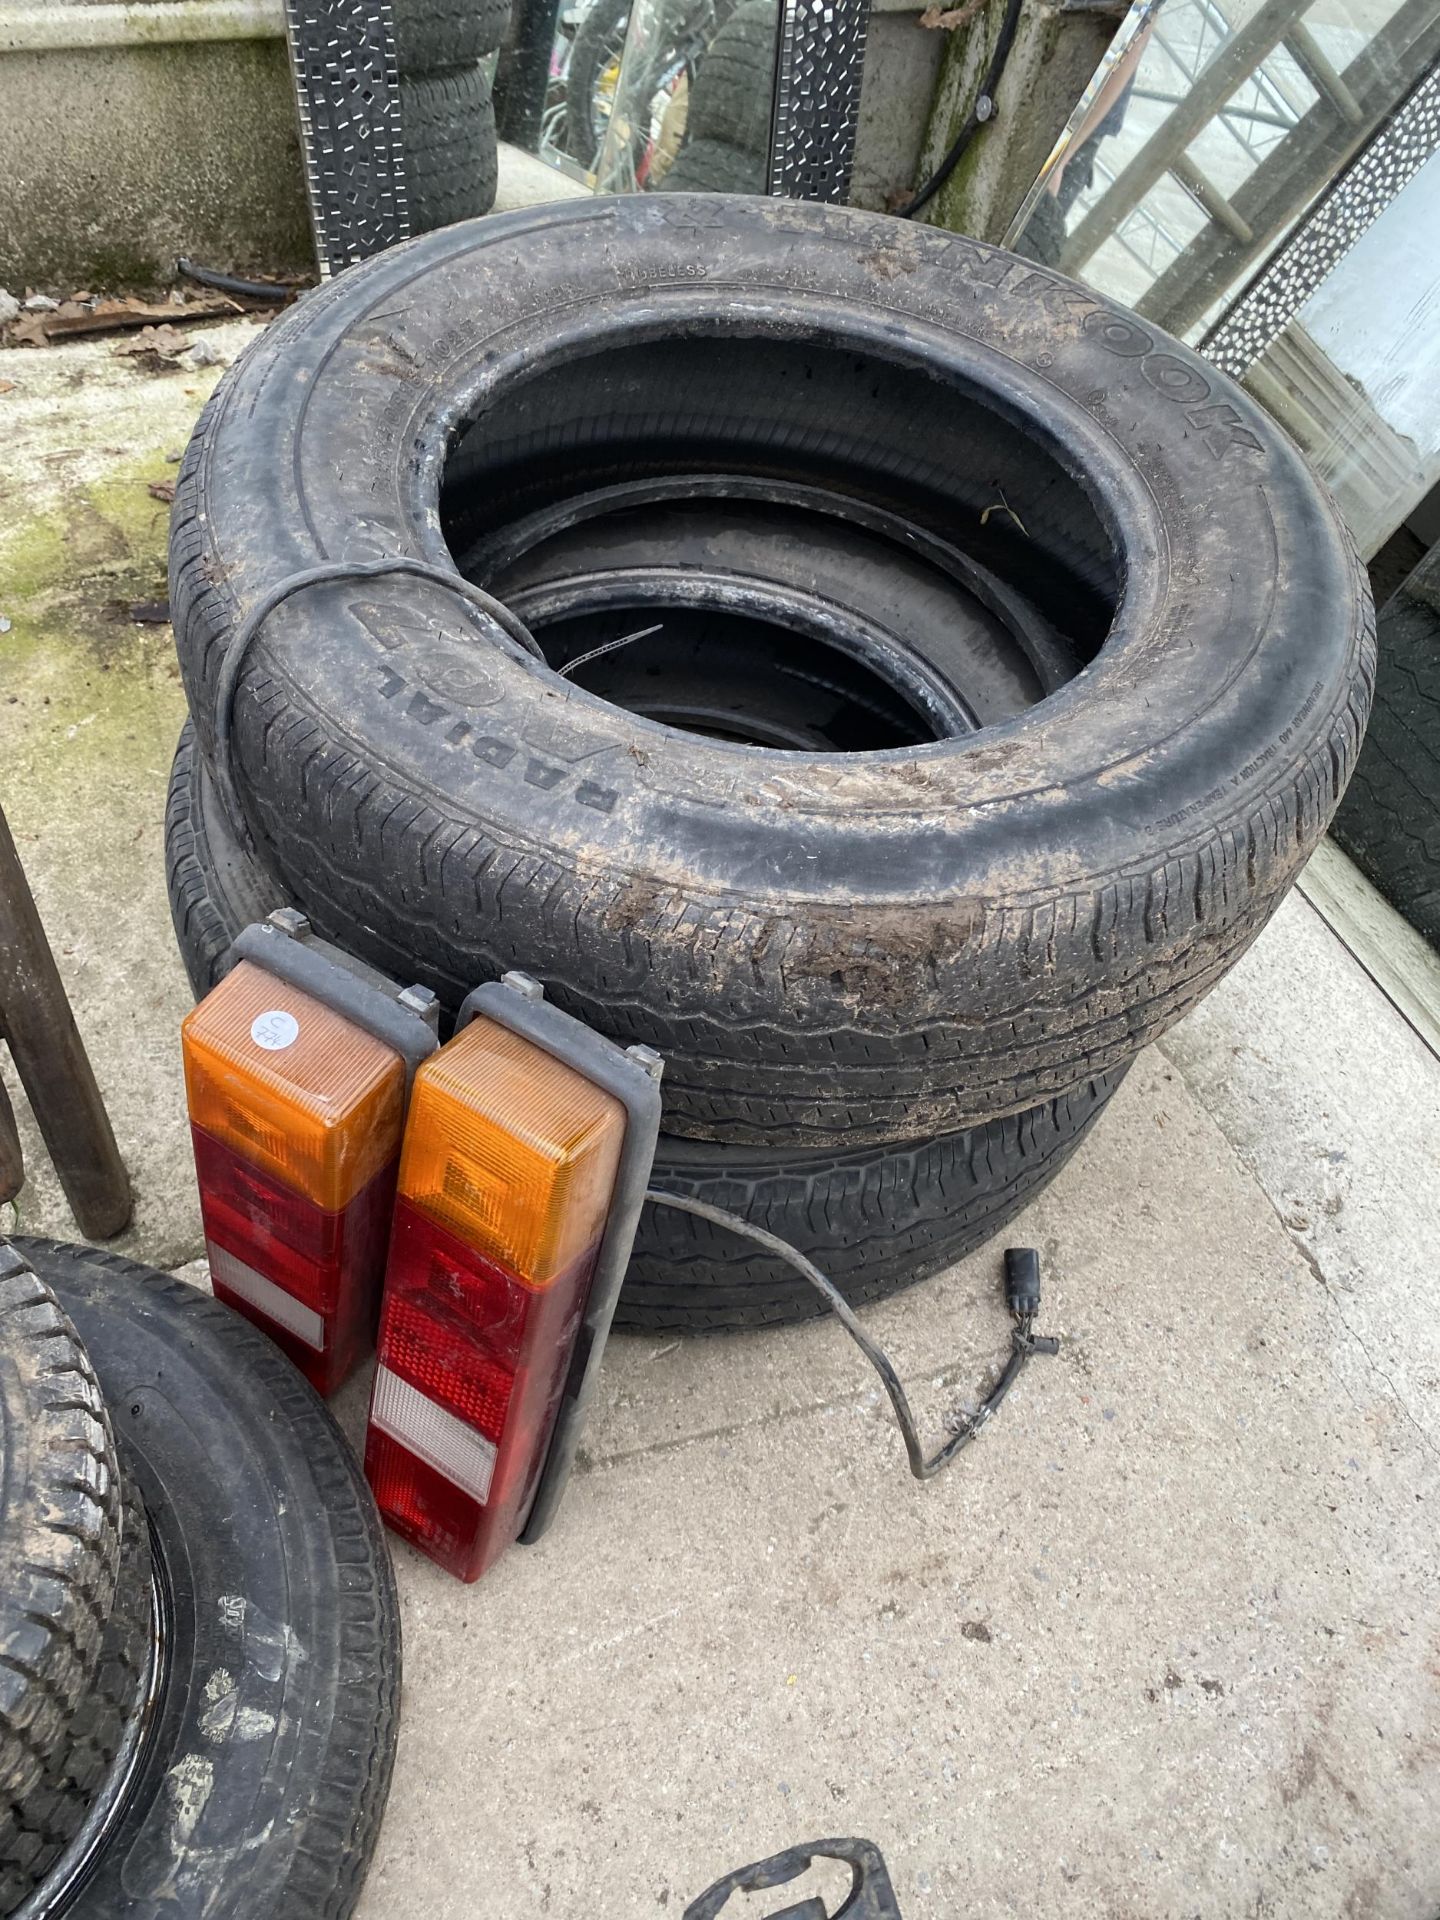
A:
{"x": 1332, "y": 1101}
{"x": 1163, "y": 1643}
{"x": 90, "y": 709}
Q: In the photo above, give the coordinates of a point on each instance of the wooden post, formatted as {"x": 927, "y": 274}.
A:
{"x": 50, "y": 1057}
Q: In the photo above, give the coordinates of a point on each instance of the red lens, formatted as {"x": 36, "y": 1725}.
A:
{"x": 472, "y": 1365}
{"x": 309, "y": 1277}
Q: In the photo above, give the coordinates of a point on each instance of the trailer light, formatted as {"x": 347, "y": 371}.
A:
{"x": 526, "y": 1152}
{"x": 296, "y": 1115}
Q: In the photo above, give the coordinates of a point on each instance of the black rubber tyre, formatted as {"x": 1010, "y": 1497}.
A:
{"x": 599, "y": 38}
{"x": 446, "y": 33}
{"x": 828, "y": 949}
{"x": 845, "y": 627}
{"x": 713, "y": 166}
{"x": 264, "y": 1776}
{"x": 1389, "y": 822}
{"x": 99, "y": 1729}
{"x": 451, "y": 157}
{"x": 214, "y": 887}
{"x": 733, "y": 92}
{"x": 876, "y": 1220}
{"x": 60, "y": 1527}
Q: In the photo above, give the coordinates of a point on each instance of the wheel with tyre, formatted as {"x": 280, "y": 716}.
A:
{"x": 62, "y": 1523}
{"x": 447, "y": 121}
{"x": 233, "y": 1751}
{"x": 830, "y": 949}
{"x": 877, "y": 1219}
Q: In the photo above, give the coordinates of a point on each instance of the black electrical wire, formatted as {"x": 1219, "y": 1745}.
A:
{"x": 1023, "y": 1295}
{"x": 982, "y": 111}
{"x": 510, "y": 626}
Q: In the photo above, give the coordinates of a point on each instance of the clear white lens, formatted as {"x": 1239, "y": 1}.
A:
{"x": 277, "y": 1305}
{"x": 466, "y": 1458}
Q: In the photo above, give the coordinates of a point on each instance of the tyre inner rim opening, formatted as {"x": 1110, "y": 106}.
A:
{"x": 740, "y": 665}
{"x": 845, "y": 454}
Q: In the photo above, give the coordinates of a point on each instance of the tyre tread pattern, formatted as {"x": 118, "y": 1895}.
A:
{"x": 60, "y": 1554}
{"x": 333, "y": 1855}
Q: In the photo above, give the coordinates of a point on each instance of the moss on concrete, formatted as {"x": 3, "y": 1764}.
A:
{"x": 79, "y": 673}
{"x": 115, "y": 160}
{"x": 90, "y": 708}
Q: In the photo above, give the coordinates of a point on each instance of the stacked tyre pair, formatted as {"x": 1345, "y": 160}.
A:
{"x": 946, "y": 676}
{"x": 727, "y": 135}
{"x": 199, "y": 1634}
{"x": 447, "y": 119}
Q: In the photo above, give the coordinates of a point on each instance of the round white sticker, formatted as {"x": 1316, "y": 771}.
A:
{"x": 274, "y": 1030}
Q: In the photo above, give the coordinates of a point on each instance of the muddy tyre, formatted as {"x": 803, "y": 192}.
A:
{"x": 273, "y": 1733}
{"x": 214, "y": 888}
{"x": 61, "y": 1519}
{"x": 828, "y": 948}
{"x": 877, "y": 1219}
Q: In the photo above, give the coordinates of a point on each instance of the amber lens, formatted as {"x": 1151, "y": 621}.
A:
{"x": 512, "y": 1150}
{"x": 295, "y": 1088}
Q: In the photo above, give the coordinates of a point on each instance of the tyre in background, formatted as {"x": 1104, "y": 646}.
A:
{"x": 61, "y": 1521}
{"x": 447, "y": 125}
{"x": 430, "y": 34}
{"x": 1389, "y": 821}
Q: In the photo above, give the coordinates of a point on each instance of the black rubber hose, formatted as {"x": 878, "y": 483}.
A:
{"x": 982, "y": 111}
{"x": 235, "y": 283}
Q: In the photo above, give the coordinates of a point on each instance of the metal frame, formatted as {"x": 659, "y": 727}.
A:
{"x": 1355, "y": 201}
{"x": 632, "y": 1075}
{"x": 819, "y": 67}
{"x": 347, "y": 90}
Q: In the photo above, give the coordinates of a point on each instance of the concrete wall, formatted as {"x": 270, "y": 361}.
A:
{"x": 902, "y": 64}
{"x": 128, "y": 136}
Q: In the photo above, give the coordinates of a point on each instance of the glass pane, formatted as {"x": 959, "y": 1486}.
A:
{"x": 644, "y": 94}
{"x": 1211, "y": 128}
{"x": 1356, "y": 380}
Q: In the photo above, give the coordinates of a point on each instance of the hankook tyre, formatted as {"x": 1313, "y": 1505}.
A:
{"x": 828, "y": 948}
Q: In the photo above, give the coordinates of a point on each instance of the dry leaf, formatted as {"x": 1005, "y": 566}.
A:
{"x": 28, "y": 331}
{"x": 166, "y": 342}
{"x": 951, "y": 17}
{"x": 162, "y": 490}
{"x": 7, "y": 386}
